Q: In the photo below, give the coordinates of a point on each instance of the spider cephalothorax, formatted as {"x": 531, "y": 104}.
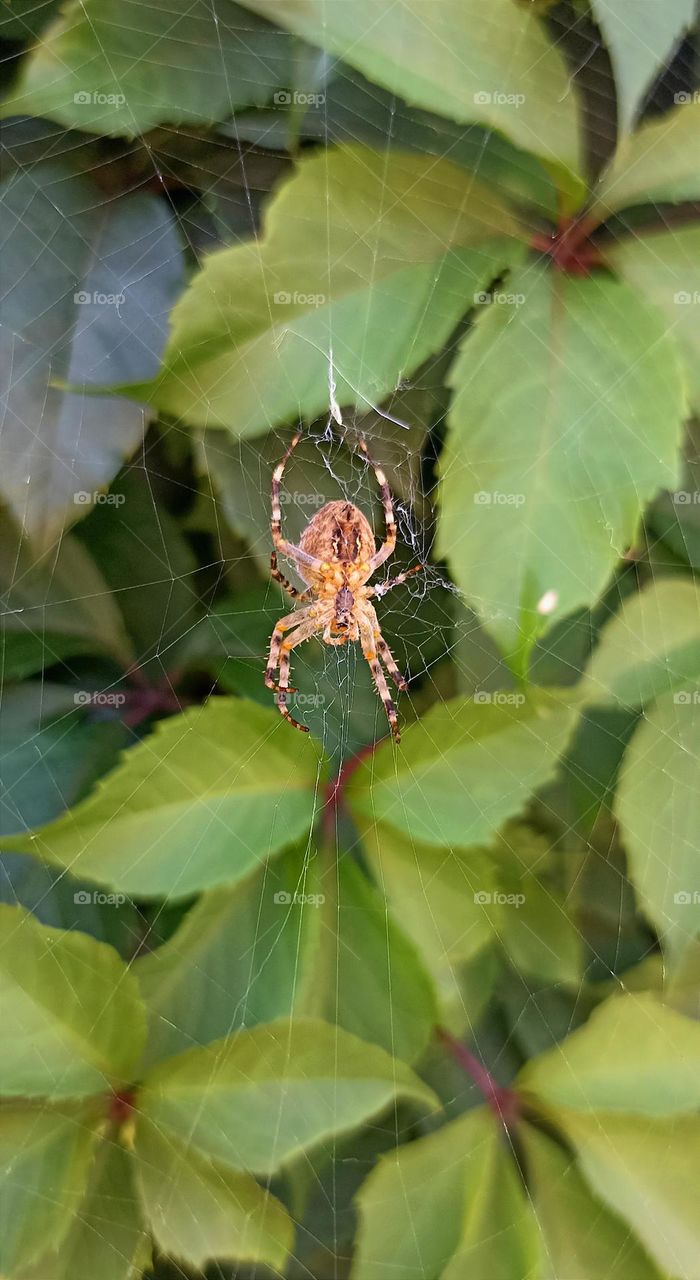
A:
{"x": 336, "y": 556}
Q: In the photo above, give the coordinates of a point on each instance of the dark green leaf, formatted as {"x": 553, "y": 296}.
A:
{"x": 87, "y": 285}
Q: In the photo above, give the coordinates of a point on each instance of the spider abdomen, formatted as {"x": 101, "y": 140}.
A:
{"x": 339, "y": 534}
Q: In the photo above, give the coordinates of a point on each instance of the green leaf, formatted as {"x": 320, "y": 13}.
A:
{"x": 72, "y": 1020}
{"x": 263, "y": 1096}
{"x": 545, "y": 472}
{"x": 372, "y": 978}
{"x": 658, "y": 807}
{"x": 641, "y": 40}
{"x": 648, "y": 1173}
{"x": 450, "y": 1206}
{"x": 463, "y": 769}
{"x": 87, "y": 284}
{"x": 23, "y": 653}
{"x": 681, "y": 987}
{"x": 434, "y": 894}
{"x": 161, "y": 63}
{"x": 500, "y": 1234}
{"x": 240, "y": 957}
{"x": 357, "y": 245}
{"x": 201, "y": 802}
{"x": 45, "y": 1157}
{"x": 105, "y": 1240}
{"x": 200, "y": 1211}
{"x": 39, "y": 595}
{"x": 651, "y": 647}
{"x": 634, "y": 1054}
{"x": 412, "y": 1204}
{"x": 354, "y": 110}
{"x": 537, "y": 932}
{"x": 497, "y": 67}
{"x": 660, "y": 162}
{"x": 24, "y": 19}
{"x": 664, "y": 266}
{"x": 581, "y": 1238}
{"x": 49, "y": 754}
{"x": 148, "y": 565}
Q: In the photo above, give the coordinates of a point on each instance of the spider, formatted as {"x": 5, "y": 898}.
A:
{"x": 336, "y": 556}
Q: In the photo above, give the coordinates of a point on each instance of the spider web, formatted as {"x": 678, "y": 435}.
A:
{"x": 207, "y": 547}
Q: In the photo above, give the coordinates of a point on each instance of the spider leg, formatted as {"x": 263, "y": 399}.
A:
{"x": 284, "y": 582}
{"x": 389, "y": 542}
{"x": 379, "y": 678}
{"x": 382, "y": 587}
{"x": 384, "y": 651}
{"x": 285, "y": 548}
{"x": 287, "y": 623}
{"x": 302, "y": 633}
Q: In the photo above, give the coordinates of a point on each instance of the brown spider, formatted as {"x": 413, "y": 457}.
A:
{"x": 336, "y": 556}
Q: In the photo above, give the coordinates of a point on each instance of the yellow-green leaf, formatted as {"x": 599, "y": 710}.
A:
{"x": 45, "y": 1157}
{"x": 463, "y": 769}
{"x": 658, "y": 807}
{"x": 263, "y": 1096}
{"x": 545, "y": 471}
{"x": 634, "y": 1054}
{"x": 455, "y": 57}
{"x": 652, "y": 646}
{"x": 71, "y": 1017}
{"x": 200, "y": 1211}
{"x": 201, "y": 802}
{"x": 367, "y": 256}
